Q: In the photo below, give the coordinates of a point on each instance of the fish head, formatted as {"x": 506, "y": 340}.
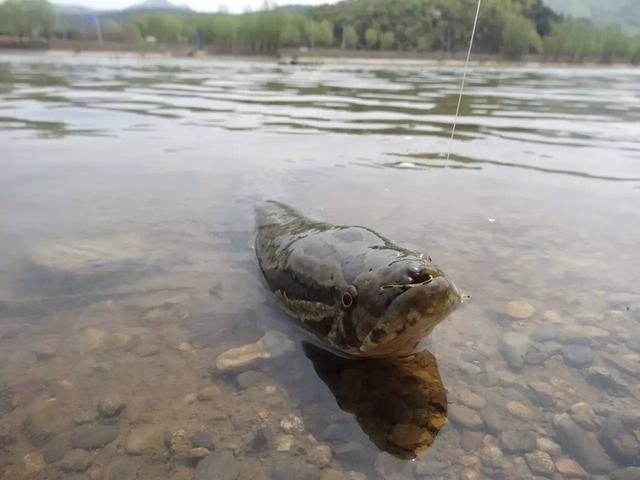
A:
{"x": 400, "y": 303}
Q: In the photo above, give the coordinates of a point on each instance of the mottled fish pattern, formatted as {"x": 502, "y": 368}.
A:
{"x": 353, "y": 289}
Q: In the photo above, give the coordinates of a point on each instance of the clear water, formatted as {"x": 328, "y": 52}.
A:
{"x": 127, "y": 190}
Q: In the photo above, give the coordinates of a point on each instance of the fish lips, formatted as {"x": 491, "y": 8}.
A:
{"x": 411, "y": 316}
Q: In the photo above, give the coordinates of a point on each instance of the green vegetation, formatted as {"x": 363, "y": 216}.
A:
{"x": 601, "y": 12}
{"x": 513, "y": 28}
{"x": 27, "y": 18}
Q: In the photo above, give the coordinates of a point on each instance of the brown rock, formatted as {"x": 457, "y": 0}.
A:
{"x": 570, "y": 469}
{"x": 208, "y": 393}
{"x": 520, "y": 309}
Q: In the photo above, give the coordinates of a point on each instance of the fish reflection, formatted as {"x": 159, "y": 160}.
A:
{"x": 400, "y": 403}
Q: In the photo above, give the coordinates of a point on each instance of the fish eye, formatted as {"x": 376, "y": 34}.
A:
{"x": 419, "y": 275}
{"x": 349, "y": 296}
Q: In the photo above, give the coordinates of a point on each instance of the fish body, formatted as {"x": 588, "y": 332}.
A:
{"x": 354, "y": 290}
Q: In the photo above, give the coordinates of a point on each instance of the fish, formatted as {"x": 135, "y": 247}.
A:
{"x": 357, "y": 293}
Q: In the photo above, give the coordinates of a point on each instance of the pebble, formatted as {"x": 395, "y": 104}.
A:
{"x": 627, "y": 364}
{"x": 32, "y": 463}
{"x": 284, "y": 443}
{"x": 186, "y": 347}
{"x": 272, "y": 345}
{"x": 513, "y": 346}
{"x": 582, "y": 408}
{"x": 465, "y": 417}
{"x": 203, "y": 440}
{"x": 43, "y": 352}
{"x": 472, "y": 400}
{"x": 145, "y": 440}
{"x": 291, "y": 468}
{"x": 56, "y": 449}
{"x": 520, "y": 309}
{"x": 549, "y": 446}
{"x": 620, "y": 437}
{"x": 540, "y": 463}
{"x": 471, "y": 441}
{"x": 602, "y": 377}
{"x": 581, "y": 446}
{"x": 552, "y": 317}
{"x": 221, "y": 465}
{"x": 92, "y": 437}
{"x": 491, "y": 456}
{"x": 513, "y": 441}
{"x": 181, "y": 447}
{"x": 578, "y": 355}
{"x": 292, "y": 424}
{"x": 520, "y": 410}
{"x": 208, "y": 393}
{"x": 545, "y": 333}
{"x": 543, "y": 393}
{"x": 249, "y": 379}
{"x": 190, "y": 398}
{"x": 320, "y": 455}
{"x": 110, "y": 406}
{"x": 570, "y": 469}
{"x": 76, "y": 461}
{"x": 408, "y": 436}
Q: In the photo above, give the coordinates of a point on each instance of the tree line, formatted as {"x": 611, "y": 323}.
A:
{"x": 513, "y": 28}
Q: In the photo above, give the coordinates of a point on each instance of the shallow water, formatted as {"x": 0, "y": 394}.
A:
{"x": 126, "y": 199}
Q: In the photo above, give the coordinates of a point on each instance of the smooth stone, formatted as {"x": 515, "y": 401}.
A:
{"x": 570, "y": 469}
{"x": 149, "y": 440}
{"x": 520, "y": 309}
{"x": 549, "y": 446}
{"x": 92, "y": 437}
{"x": 43, "y": 352}
{"x": 203, "y": 440}
{"x": 620, "y": 442}
{"x": 538, "y": 353}
{"x": 220, "y": 465}
{"x": 272, "y": 345}
{"x": 352, "y": 453}
{"x": 543, "y": 393}
{"x": 319, "y": 455}
{"x": 491, "y": 456}
{"x": 472, "y": 400}
{"x": 284, "y": 443}
{"x": 76, "y": 461}
{"x": 471, "y": 441}
{"x": 249, "y": 379}
{"x": 552, "y": 317}
{"x": 579, "y": 333}
{"x": 513, "y": 441}
{"x": 513, "y": 346}
{"x": 43, "y": 422}
{"x": 545, "y": 333}
{"x": 494, "y": 420}
{"x": 624, "y": 363}
{"x": 291, "y": 468}
{"x": 56, "y": 449}
{"x": 631, "y": 473}
{"x": 110, "y": 406}
{"x": 602, "y": 377}
{"x": 207, "y": 394}
{"x": 578, "y": 355}
{"x": 465, "y": 417}
{"x": 520, "y": 410}
{"x": 32, "y": 464}
{"x": 540, "y": 463}
{"x": 582, "y": 446}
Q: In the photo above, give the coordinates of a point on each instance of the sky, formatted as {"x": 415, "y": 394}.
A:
{"x": 235, "y": 6}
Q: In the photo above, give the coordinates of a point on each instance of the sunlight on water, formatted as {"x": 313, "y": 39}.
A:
{"x": 126, "y": 196}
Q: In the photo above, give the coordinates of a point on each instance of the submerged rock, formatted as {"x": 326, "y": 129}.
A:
{"x": 513, "y": 441}
{"x": 43, "y": 352}
{"x": 621, "y": 440}
{"x": 513, "y": 346}
{"x": 582, "y": 446}
{"x": 465, "y": 417}
{"x": 291, "y": 468}
{"x": 578, "y": 355}
{"x": 570, "y": 469}
{"x": 92, "y": 437}
{"x": 220, "y": 465}
{"x": 110, "y": 405}
{"x": 520, "y": 309}
{"x": 149, "y": 440}
{"x": 540, "y": 463}
{"x": 272, "y": 345}
{"x": 76, "y": 461}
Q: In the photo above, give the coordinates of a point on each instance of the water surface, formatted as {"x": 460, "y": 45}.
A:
{"x": 127, "y": 190}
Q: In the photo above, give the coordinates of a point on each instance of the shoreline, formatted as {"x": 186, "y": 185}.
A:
{"x": 320, "y": 57}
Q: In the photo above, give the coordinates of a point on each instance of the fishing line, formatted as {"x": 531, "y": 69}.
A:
{"x": 464, "y": 78}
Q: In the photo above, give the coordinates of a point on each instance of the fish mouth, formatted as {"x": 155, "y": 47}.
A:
{"x": 412, "y": 315}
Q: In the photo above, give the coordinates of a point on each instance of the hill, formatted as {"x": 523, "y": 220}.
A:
{"x": 625, "y": 12}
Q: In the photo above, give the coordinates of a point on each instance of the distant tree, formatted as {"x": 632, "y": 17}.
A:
{"x": 371, "y": 37}
{"x": 351, "y": 39}
{"x": 387, "y": 40}
{"x": 520, "y": 37}
{"x": 615, "y": 44}
{"x": 133, "y": 35}
{"x": 291, "y": 36}
{"x": 112, "y": 30}
{"x": 323, "y": 33}
{"x": 28, "y": 18}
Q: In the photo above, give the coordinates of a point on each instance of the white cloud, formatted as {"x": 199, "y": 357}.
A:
{"x": 200, "y": 5}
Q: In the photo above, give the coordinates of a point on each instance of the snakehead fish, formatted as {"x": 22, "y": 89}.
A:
{"x": 357, "y": 292}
